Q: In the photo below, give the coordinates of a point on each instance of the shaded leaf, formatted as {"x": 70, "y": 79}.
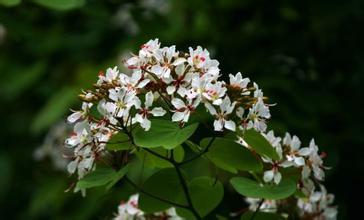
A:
{"x": 251, "y": 188}
{"x": 206, "y": 194}
{"x": 230, "y": 156}
{"x": 164, "y": 184}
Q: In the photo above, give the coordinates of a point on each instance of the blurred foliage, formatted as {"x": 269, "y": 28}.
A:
{"x": 306, "y": 55}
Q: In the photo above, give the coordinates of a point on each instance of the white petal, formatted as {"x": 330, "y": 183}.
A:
{"x": 178, "y": 116}
{"x": 158, "y": 111}
{"x": 230, "y": 125}
{"x": 268, "y": 175}
{"x": 149, "y": 99}
{"x": 178, "y": 103}
{"x": 143, "y": 83}
{"x": 304, "y": 151}
{"x": 71, "y": 167}
{"x": 179, "y": 61}
{"x": 277, "y": 177}
{"x": 218, "y": 125}
{"x": 74, "y": 117}
{"x": 72, "y": 141}
{"x": 180, "y": 69}
{"x": 146, "y": 124}
{"x": 299, "y": 161}
{"x": 210, "y": 108}
{"x": 171, "y": 90}
{"x": 306, "y": 171}
{"x": 187, "y": 116}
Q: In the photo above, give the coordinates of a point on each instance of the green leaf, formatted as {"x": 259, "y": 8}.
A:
{"x": 139, "y": 171}
{"x": 119, "y": 142}
{"x": 101, "y": 176}
{"x": 251, "y": 188}
{"x": 260, "y": 144}
{"x": 152, "y": 160}
{"x": 61, "y": 4}
{"x": 178, "y": 153}
{"x": 164, "y": 184}
{"x": 9, "y": 3}
{"x": 230, "y": 156}
{"x": 163, "y": 133}
{"x": 261, "y": 216}
{"x": 206, "y": 194}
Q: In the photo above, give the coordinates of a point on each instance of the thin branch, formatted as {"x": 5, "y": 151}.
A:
{"x": 256, "y": 211}
{"x": 154, "y": 196}
{"x": 201, "y": 153}
{"x": 186, "y": 192}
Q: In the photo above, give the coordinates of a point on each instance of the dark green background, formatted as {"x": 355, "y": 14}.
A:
{"x": 306, "y": 55}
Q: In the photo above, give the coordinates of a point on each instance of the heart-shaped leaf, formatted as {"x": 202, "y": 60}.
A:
{"x": 251, "y": 188}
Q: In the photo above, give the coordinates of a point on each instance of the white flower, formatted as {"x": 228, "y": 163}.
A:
{"x": 160, "y": 71}
{"x": 257, "y": 116}
{"x": 199, "y": 57}
{"x": 226, "y": 107}
{"x": 110, "y": 76}
{"x": 130, "y": 210}
{"x": 295, "y": 155}
{"x": 266, "y": 206}
{"x": 180, "y": 82}
{"x": 274, "y": 141}
{"x": 215, "y": 92}
{"x": 144, "y": 112}
{"x": 75, "y": 116}
{"x": 133, "y": 82}
{"x": 148, "y": 49}
{"x": 81, "y": 135}
{"x": 182, "y": 111}
{"x": 123, "y": 100}
{"x": 319, "y": 205}
{"x": 257, "y": 92}
{"x": 238, "y": 81}
{"x": 273, "y": 174}
{"x": 315, "y": 162}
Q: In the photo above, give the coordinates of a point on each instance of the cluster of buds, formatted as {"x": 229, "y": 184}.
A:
{"x": 129, "y": 211}
{"x": 161, "y": 82}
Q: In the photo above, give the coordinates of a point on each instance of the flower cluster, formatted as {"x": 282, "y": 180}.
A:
{"x": 314, "y": 204}
{"x": 317, "y": 206}
{"x": 161, "y": 80}
{"x": 165, "y": 83}
{"x": 129, "y": 211}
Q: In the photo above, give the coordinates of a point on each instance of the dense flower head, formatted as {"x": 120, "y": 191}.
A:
{"x": 160, "y": 77}
{"x": 162, "y": 82}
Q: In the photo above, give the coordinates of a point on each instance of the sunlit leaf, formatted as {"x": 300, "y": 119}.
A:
{"x": 163, "y": 133}
{"x": 260, "y": 144}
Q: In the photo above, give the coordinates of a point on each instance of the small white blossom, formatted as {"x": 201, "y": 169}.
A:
{"x": 238, "y": 81}
{"x": 123, "y": 100}
{"x": 257, "y": 116}
{"x": 142, "y": 116}
{"x": 226, "y": 107}
{"x": 182, "y": 111}
{"x": 295, "y": 155}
